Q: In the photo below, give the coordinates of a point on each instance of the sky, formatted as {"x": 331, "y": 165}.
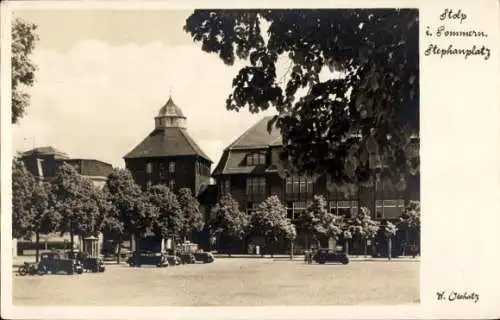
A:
{"x": 103, "y": 76}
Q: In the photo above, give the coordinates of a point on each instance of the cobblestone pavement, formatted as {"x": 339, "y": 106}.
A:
{"x": 228, "y": 282}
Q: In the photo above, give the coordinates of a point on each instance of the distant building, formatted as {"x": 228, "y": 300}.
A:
{"x": 42, "y": 162}
{"x": 250, "y": 170}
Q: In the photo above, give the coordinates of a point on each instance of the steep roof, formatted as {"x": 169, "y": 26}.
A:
{"x": 166, "y": 142}
{"x": 46, "y": 151}
{"x": 257, "y": 136}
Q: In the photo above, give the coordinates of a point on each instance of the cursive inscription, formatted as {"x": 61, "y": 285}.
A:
{"x": 452, "y": 29}
{"x": 457, "y": 296}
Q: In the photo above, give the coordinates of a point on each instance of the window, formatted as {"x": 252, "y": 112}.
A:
{"x": 171, "y": 185}
{"x": 256, "y": 159}
{"x": 224, "y": 187}
{"x": 346, "y": 208}
{"x": 256, "y": 186}
{"x": 171, "y": 167}
{"x": 161, "y": 171}
{"x": 149, "y": 168}
{"x": 299, "y": 185}
{"x": 294, "y": 208}
{"x": 389, "y": 209}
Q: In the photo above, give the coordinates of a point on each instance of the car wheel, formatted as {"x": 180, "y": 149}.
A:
{"x": 131, "y": 264}
{"x": 345, "y": 261}
{"x": 41, "y": 271}
{"x": 22, "y": 271}
{"x": 321, "y": 262}
{"x": 79, "y": 271}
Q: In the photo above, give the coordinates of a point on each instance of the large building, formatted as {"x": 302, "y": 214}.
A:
{"x": 170, "y": 156}
{"x": 250, "y": 170}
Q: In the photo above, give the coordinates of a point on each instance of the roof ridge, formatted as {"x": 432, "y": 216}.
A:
{"x": 244, "y": 134}
{"x": 194, "y": 146}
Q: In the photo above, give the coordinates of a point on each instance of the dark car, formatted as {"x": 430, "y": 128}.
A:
{"x": 92, "y": 264}
{"x": 205, "y": 257}
{"x": 187, "y": 257}
{"x": 54, "y": 263}
{"x": 323, "y": 256}
{"x": 150, "y": 258}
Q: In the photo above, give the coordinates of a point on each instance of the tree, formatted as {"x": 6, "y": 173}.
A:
{"x": 410, "y": 221}
{"x": 23, "y": 70}
{"x": 228, "y": 219}
{"x": 388, "y": 229}
{"x": 22, "y": 190}
{"x": 193, "y": 218}
{"x": 79, "y": 203}
{"x": 169, "y": 222}
{"x": 270, "y": 220}
{"x": 30, "y": 207}
{"x": 363, "y": 119}
{"x": 318, "y": 220}
{"x": 363, "y": 227}
{"x": 127, "y": 199}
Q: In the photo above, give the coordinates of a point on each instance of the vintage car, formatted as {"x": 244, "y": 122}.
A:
{"x": 173, "y": 260}
{"x": 187, "y": 257}
{"x": 54, "y": 263}
{"x": 148, "y": 258}
{"x": 205, "y": 257}
{"x": 31, "y": 269}
{"x": 92, "y": 264}
{"x": 323, "y": 256}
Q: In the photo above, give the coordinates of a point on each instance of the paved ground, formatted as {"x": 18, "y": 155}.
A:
{"x": 235, "y": 282}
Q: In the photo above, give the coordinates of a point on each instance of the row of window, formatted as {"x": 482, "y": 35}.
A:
{"x": 348, "y": 208}
{"x": 258, "y": 185}
{"x": 254, "y": 159}
{"x": 161, "y": 168}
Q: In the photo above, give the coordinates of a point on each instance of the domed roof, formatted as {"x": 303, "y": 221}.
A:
{"x": 170, "y": 109}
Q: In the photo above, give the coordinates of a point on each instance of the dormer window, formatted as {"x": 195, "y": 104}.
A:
{"x": 256, "y": 158}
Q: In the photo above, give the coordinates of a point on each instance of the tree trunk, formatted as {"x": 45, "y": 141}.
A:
{"x": 389, "y": 248}
{"x": 71, "y": 239}
{"x": 366, "y": 247}
{"x": 137, "y": 250}
{"x": 118, "y": 256}
{"x": 37, "y": 240}
{"x": 291, "y": 249}
{"x": 347, "y": 247}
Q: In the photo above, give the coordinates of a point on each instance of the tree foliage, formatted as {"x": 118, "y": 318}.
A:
{"x": 318, "y": 220}
{"x": 168, "y": 220}
{"x": 193, "y": 218}
{"x": 24, "y": 38}
{"x": 131, "y": 205}
{"x": 228, "y": 219}
{"x": 270, "y": 220}
{"x": 410, "y": 217}
{"x": 22, "y": 190}
{"x": 362, "y": 225}
{"x": 361, "y": 124}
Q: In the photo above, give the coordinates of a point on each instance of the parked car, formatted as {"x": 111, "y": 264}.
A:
{"x": 323, "y": 256}
{"x": 92, "y": 264}
{"x": 186, "y": 257}
{"x": 205, "y": 257}
{"x": 54, "y": 263}
{"x": 157, "y": 259}
{"x": 173, "y": 260}
{"x": 31, "y": 269}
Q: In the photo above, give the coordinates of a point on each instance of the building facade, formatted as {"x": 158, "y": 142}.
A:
{"x": 251, "y": 170}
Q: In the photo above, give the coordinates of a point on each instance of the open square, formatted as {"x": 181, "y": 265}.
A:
{"x": 229, "y": 282}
